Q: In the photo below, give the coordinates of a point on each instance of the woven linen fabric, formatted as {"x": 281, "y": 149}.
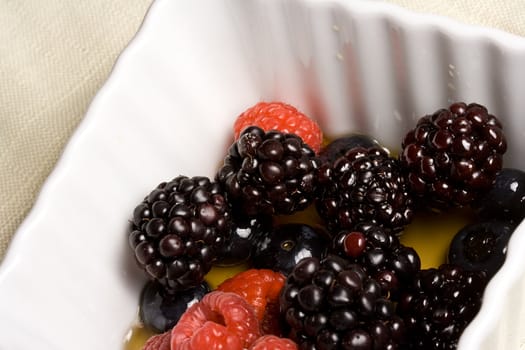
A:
{"x": 56, "y": 54}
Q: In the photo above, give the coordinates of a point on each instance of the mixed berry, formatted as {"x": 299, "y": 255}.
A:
{"x": 319, "y": 227}
{"x": 453, "y": 155}
{"x": 286, "y": 244}
{"x": 178, "y": 230}
{"x": 268, "y": 173}
{"x": 365, "y": 184}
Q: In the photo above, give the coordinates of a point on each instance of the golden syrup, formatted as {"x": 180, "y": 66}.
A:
{"x": 308, "y": 216}
{"x": 430, "y": 234}
{"x": 137, "y": 337}
{"x": 218, "y": 274}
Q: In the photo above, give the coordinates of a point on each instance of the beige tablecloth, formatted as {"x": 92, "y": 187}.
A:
{"x": 56, "y": 54}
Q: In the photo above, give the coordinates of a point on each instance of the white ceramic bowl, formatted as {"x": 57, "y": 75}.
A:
{"x": 68, "y": 281}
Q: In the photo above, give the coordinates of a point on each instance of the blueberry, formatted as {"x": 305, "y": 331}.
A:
{"x": 160, "y": 311}
{"x": 240, "y": 244}
{"x": 282, "y": 248}
{"x": 506, "y": 199}
{"x": 341, "y": 145}
{"x": 481, "y": 246}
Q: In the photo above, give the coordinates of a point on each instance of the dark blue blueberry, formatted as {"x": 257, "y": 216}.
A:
{"x": 282, "y": 248}
{"x": 481, "y": 246}
{"x": 242, "y": 239}
{"x": 160, "y": 311}
{"x": 506, "y": 199}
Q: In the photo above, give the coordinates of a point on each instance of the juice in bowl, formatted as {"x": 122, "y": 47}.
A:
{"x": 336, "y": 243}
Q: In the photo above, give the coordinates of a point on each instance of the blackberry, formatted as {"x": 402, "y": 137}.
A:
{"x": 268, "y": 173}
{"x": 178, "y": 229}
{"x": 380, "y": 254}
{"x": 333, "y": 304}
{"x": 439, "y": 306}
{"x": 364, "y": 185}
{"x": 452, "y": 156}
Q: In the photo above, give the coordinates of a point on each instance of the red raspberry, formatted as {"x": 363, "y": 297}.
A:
{"x": 271, "y": 342}
{"x": 219, "y": 321}
{"x": 261, "y": 289}
{"x": 283, "y": 117}
{"x": 158, "y": 342}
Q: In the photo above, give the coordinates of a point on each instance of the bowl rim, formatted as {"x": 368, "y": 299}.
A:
{"x": 508, "y": 273}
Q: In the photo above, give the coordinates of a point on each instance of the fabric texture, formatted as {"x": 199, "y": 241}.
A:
{"x": 56, "y": 54}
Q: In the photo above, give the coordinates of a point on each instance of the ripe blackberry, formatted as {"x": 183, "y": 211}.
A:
{"x": 268, "y": 173}
{"x": 333, "y": 304}
{"x": 440, "y": 305}
{"x": 178, "y": 229}
{"x": 364, "y": 185}
{"x": 452, "y": 156}
{"x": 380, "y": 254}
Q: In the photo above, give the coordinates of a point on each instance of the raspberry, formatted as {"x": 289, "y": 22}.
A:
{"x": 283, "y": 117}
{"x": 261, "y": 289}
{"x": 219, "y": 321}
{"x": 158, "y": 342}
{"x": 272, "y": 342}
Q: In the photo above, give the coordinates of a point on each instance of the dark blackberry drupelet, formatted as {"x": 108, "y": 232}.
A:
{"x": 333, "y": 304}
{"x": 364, "y": 185}
{"x": 380, "y": 254}
{"x": 268, "y": 173}
{"x": 452, "y": 156}
{"x": 440, "y": 305}
{"x": 178, "y": 229}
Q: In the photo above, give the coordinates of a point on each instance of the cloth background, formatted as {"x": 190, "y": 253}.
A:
{"x": 56, "y": 54}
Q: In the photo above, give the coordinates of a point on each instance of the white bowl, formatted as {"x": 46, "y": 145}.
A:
{"x": 68, "y": 281}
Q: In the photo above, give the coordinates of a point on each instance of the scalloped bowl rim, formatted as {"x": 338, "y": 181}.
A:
{"x": 515, "y": 264}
